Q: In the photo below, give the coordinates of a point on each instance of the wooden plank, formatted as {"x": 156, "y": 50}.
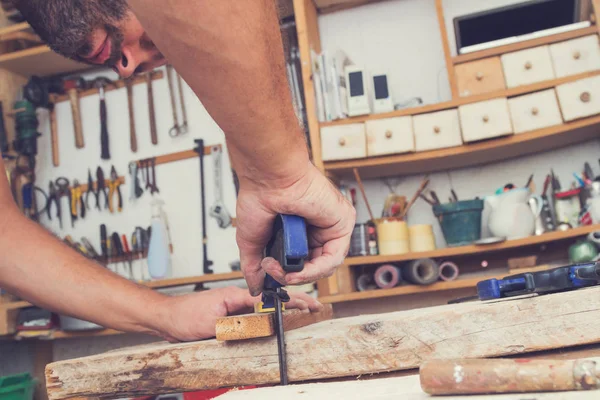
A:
{"x": 393, "y": 388}
{"x": 341, "y": 347}
{"x": 439, "y": 10}
{"x": 117, "y": 84}
{"x": 307, "y": 29}
{"x": 331, "y": 6}
{"x": 249, "y": 326}
{"x": 511, "y": 92}
{"x": 193, "y": 280}
{"x": 596, "y": 13}
{"x": 559, "y": 37}
{"x": 180, "y": 155}
{"x": 23, "y": 26}
{"x": 478, "y": 153}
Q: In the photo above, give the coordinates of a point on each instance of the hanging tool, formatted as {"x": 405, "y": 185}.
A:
{"x": 104, "y": 242}
{"x": 89, "y": 247}
{"x": 154, "y": 187}
{"x": 218, "y": 210}
{"x": 289, "y": 246}
{"x": 184, "y": 125}
{"x": 152, "y": 115}
{"x": 54, "y": 197}
{"x": 90, "y": 190}
{"x": 114, "y": 185}
{"x": 100, "y": 83}
{"x": 132, "y": 132}
{"x": 128, "y": 255}
{"x": 136, "y": 189}
{"x": 199, "y": 149}
{"x": 77, "y": 200}
{"x": 175, "y": 129}
{"x": 142, "y": 241}
{"x": 3, "y": 139}
{"x": 101, "y": 188}
{"x": 37, "y": 91}
{"x": 117, "y": 249}
{"x": 72, "y": 87}
{"x": 63, "y": 189}
{"x": 559, "y": 279}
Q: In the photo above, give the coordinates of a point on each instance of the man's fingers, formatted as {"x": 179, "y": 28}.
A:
{"x": 272, "y": 267}
{"x": 253, "y": 273}
{"x": 323, "y": 265}
{"x": 297, "y": 304}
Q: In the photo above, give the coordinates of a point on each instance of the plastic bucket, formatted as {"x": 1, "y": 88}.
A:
{"x": 460, "y": 221}
{"x": 17, "y": 387}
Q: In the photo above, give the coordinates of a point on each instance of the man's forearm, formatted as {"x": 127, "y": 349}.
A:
{"x": 230, "y": 53}
{"x": 41, "y": 269}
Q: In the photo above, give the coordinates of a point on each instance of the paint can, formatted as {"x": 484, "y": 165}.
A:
{"x": 392, "y": 236}
{"x": 421, "y": 238}
{"x": 359, "y": 241}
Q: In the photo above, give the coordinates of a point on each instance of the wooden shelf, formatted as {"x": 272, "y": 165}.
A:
{"x": 20, "y": 27}
{"x": 475, "y": 249}
{"x": 52, "y": 334}
{"x": 329, "y": 6}
{"x": 463, "y": 283}
{"x": 484, "y": 152}
{"x": 559, "y": 37}
{"x": 39, "y": 60}
{"x": 512, "y": 92}
{"x": 193, "y": 280}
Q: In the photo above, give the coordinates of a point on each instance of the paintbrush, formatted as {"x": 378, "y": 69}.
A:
{"x": 415, "y": 197}
{"x": 362, "y": 191}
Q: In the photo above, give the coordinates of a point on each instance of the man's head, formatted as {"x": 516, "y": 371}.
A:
{"x": 101, "y": 32}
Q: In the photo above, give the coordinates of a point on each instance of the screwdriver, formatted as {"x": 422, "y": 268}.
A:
{"x": 128, "y": 255}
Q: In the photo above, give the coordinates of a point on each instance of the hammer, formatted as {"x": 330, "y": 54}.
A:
{"x": 100, "y": 83}
{"x": 72, "y": 87}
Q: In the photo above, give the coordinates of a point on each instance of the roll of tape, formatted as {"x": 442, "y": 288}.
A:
{"x": 365, "y": 282}
{"x": 424, "y": 271}
{"x": 448, "y": 271}
{"x": 387, "y": 276}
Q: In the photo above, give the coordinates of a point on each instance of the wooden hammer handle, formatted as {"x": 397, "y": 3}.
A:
{"x": 482, "y": 376}
{"x": 153, "y": 133}
{"x": 132, "y": 132}
{"x": 75, "y": 111}
{"x": 54, "y": 137}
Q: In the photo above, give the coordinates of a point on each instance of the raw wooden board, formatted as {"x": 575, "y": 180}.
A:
{"x": 249, "y": 326}
{"x": 341, "y": 347}
{"x": 406, "y": 388}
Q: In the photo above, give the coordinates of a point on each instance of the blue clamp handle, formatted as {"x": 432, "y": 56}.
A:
{"x": 289, "y": 246}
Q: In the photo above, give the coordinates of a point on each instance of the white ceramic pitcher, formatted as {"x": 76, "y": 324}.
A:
{"x": 511, "y": 215}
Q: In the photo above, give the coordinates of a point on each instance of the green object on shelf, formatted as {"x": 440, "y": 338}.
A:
{"x": 582, "y": 251}
{"x": 460, "y": 221}
{"x": 17, "y": 387}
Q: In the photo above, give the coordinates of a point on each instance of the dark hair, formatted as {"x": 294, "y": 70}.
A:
{"x": 66, "y": 24}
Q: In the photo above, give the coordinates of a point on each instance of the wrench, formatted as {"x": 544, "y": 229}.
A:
{"x": 175, "y": 129}
{"x": 218, "y": 209}
{"x": 136, "y": 189}
{"x": 184, "y": 126}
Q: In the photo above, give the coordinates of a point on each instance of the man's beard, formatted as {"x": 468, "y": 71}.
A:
{"x": 116, "y": 38}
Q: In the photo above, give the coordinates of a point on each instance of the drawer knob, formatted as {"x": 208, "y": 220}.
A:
{"x": 479, "y": 76}
{"x": 388, "y": 134}
{"x": 342, "y": 142}
{"x": 486, "y": 118}
{"x": 436, "y": 129}
{"x": 585, "y": 97}
{"x": 528, "y": 65}
{"x": 576, "y": 55}
{"x": 534, "y": 111}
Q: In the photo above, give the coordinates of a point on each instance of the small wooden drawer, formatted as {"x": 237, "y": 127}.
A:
{"x": 527, "y": 66}
{"x": 534, "y": 111}
{"x": 580, "y": 98}
{"x": 576, "y": 56}
{"x": 437, "y": 130}
{"x": 343, "y": 142}
{"x": 485, "y": 120}
{"x": 482, "y": 76}
{"x": 389, "y": 136}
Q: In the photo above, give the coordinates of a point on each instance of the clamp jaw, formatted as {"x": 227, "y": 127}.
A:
{"x": 554, "y": 280}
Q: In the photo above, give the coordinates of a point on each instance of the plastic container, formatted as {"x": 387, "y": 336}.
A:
{"x": 460, "y": 221}
{"x": 392, "y": 236}
{"x": 17, "y": 387}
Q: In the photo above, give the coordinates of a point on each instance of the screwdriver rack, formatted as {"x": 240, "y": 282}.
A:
{"x": 130, "y": 256}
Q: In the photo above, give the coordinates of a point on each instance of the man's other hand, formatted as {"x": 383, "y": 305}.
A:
{"x": 193, "y": 316}
{"x": 330, "y": 219}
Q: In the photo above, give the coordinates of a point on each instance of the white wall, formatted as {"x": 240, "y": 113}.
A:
{"x": 401, "y": 37}
{"x": 178, "y": 182}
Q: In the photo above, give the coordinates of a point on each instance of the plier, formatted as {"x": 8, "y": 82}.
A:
{"x": 77, "y": 200}
{"x": 114, "y": 185}
{"x": 54, "y": 197}
{"x": 100, "y": 188}
{"x": 90, "y": 190}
